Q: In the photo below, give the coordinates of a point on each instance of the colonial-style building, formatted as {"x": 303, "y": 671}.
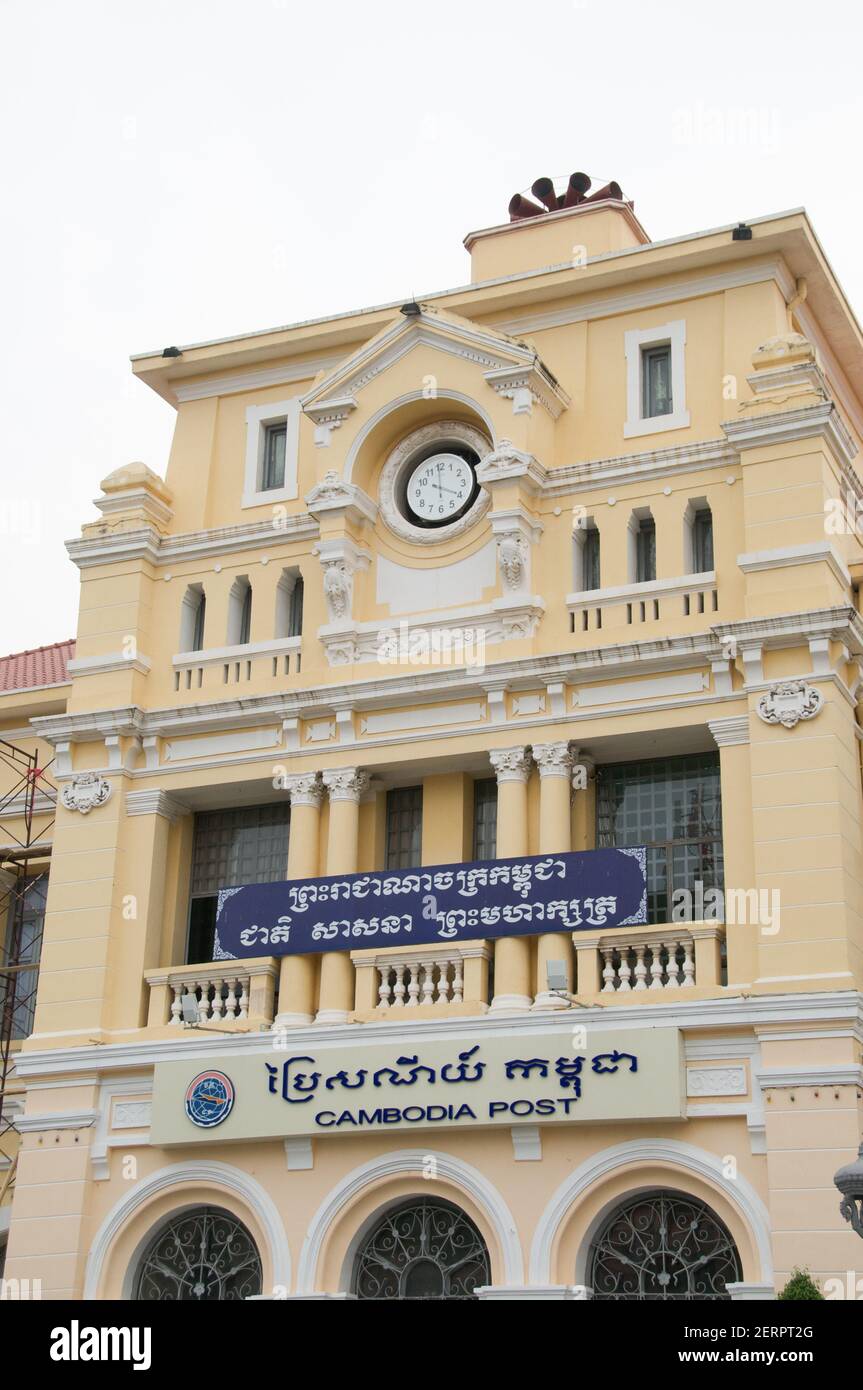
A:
{"x": 432, "y": 596}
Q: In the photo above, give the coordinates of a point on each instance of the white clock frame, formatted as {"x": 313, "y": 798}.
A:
{"x": 402, "y": 460}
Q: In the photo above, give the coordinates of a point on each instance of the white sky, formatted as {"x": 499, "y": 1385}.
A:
{"x": 185, "y": 169}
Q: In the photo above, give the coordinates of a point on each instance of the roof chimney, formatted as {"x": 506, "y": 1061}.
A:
{"x": 568, "y": 225}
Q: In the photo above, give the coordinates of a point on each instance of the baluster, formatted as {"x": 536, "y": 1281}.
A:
{"x": 231, "y": 1001}
{"x": 673, "y": 968}
{"x": 384, "y": 987}
{"x": 218, "y": 1003}
{"x": 640, "y": 968}
{"x": 607, "y": 953}
{"x": 399, "y": 988}
{"x": 443, "y": 982}
{"x": 204, "y": 1001}
{"x": 656, "y": 971}
{"x": 413, "y": 985}
{"x": 244, "y": 984}
{"x": 176, "y": 1006}
{"x": 624, "y": 973}
{"x": 457, "y": 983}
{"x": 688, "y": 964}
{"x": 428, "y": 982}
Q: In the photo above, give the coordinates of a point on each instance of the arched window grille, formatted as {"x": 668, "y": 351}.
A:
{"x": 201, "y": 1256}
{"x": 662, "y": 1245}
{"x": 421, "y": 1250}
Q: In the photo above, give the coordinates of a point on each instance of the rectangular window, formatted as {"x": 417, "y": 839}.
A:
{"x": 702, "y": 542}
{"x": 590, "y": 559}
{"x": 24, "y": 972}
{"x": 485, "y": 818}
{"x": 200, "y": 619}
{"x": 645, "y": 550}
{"x": 656, "y": 396}
{"x": 404, "y": 828}
{"x": 673, "y": 806}
{"x": 230, "y": 848}
{"x": 246, "y": 617}
{"x": 295, "y": 612}
{"x": 275, "y": 447}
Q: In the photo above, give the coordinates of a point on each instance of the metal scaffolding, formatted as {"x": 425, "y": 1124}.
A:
{"x": 27, "y": 811}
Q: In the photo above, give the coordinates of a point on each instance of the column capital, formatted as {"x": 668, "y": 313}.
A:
{"x": 730, "y": 731}
{"x": 346, "y": 783}
{"x": 511, "y": 764}
{"x": 154, "y": 802}
{"x": 304, "y": 788}
{"x": 552, "y": 759}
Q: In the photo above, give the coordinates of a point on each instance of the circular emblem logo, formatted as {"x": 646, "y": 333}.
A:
{"x": 209, "y": 1099}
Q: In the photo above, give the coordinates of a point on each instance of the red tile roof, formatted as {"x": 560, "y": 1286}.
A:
{"x": 41, "y": 666}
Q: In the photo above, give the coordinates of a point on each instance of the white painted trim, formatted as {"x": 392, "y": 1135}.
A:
{"x": 686, "y": 1157}
{"x": 402, "y": 1163}
{"x": 646, "y": 589}
{"x": 212, "y": 656}
{"x": 813, "y": 552}
{"x": 734, "y": 1011}
{"x": 257, "y": 418}
{"x": 786, "y": 1078}
{"x": 239, "y": 383}
{"x": 222, "y": 1175}
{"x": 110, "y": 661}
{"x": 636, "y": 340}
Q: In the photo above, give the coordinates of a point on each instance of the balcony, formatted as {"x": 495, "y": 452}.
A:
{"x": 652, "y": 963}
{"x": 403, "y": 983}
{"x": 257, "y": 663}
{"x": 641, "y": 608}
{"x": 238, "y": 995}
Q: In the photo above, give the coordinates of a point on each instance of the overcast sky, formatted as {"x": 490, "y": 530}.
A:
{"x": 186, "y": 169}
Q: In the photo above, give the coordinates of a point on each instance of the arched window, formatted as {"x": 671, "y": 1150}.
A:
{"x": 642, "y": 546}
{"x": 200, "y": 1256}
{"x": 192, "y": 617}
{"x": 240, "y": 612}
{"x": 424, "y": 1249}
{"x": 289, "y": 604}
{"x": 662, "y": 1245}
{"x": 587, "y": 568}
{"x": 698, "y": 536}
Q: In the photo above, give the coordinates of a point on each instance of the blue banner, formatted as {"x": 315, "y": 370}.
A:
{"x": 597, "y": 888}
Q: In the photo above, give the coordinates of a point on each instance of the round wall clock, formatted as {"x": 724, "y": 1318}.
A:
{"x": 428, "y": 487}
{"x": 441, "y": 487}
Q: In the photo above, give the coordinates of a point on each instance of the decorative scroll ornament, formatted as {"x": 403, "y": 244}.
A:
{"x": 86, "y": 790}
{"x": 331, "y": 490}
{"x": 512, "y": 558}
{"x": 337, "y": 589}
{"x": 787, "y": 702}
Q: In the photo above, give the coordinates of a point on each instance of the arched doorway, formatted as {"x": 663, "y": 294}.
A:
{"x": 662, "y": 1245}
{"x": 204, "y": 1255}
{"x": 422, "y": 1249}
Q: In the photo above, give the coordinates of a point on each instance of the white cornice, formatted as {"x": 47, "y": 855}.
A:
{"x": 236, "y": 383}
{"x": 733, "y": 1011}
{"x": 779, "y": 427}
{"x": 813, "y": 552}
{"x": 148, "y": 544}
{"x": 108, "y": 662}
{"x": 632, "y": 593}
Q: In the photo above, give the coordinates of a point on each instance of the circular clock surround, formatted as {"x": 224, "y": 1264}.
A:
{"x": 428, "y": 490}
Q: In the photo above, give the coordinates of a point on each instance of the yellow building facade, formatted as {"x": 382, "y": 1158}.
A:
{"x": 562, "y": 560}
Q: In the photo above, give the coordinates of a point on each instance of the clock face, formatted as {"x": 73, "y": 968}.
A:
{"x": 440, "y": 489}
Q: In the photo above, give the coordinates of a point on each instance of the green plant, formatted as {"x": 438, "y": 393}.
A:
{"x": 801, "y": 1286}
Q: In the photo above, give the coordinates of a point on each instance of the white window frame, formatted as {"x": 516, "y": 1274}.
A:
{"x": 258, "y": 417}
{"x": 635, "y": 343}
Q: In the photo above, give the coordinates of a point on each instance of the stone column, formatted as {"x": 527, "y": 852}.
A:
{"x": 297, "y": 975}
{"x": 512, "y": 985}
{"x": 345, "y": 787}
{"x": 555, "y": 837}
{"x": 738, "y": 840}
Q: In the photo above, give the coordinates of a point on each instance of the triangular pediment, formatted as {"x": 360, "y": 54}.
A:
{"x": 436, "y": 328}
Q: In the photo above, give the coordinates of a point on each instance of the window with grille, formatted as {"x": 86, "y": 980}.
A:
{"x": 404, "y": 828}
{"x": 485, "y": 818}
{"x": 245, "y": 845}
{"x": 672, "y": 806}
{"x": 28, "y": 897}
